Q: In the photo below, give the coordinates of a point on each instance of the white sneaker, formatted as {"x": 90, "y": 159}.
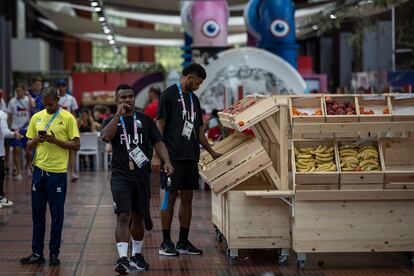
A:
{"x": 5, "y": 202}
{"x": 18, "y": 177}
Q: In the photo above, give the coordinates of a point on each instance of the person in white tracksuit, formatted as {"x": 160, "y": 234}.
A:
{"x": 5, "y": 132}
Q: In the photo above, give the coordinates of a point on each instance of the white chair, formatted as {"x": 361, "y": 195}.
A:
{"x": 89, "y": 146}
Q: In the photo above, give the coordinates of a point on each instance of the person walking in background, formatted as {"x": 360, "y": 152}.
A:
{"x": 19, "y": 117}
{"x": 132, "y": 135}
{"x": 5, "y": 132}
{"x": 52, "y": 132}
{"x": 151, "y": 110}
{"x": 87, "y": 124}
{"x": 70, "y": 104}
{"x": 3, "y": 105}
{"x": 36, "y": 93}
{"x": 179, "y": 120}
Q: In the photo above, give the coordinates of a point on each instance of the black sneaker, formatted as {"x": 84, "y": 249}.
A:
{"x": 185, "y": 247}
{"x": 138, "y": 262}
{"x": 54, "y": 259}
{"x": 167, "y": 248}
{"x": 33, "y": 259}
{"x": 122, "y": 266}
{"x": 148, "y": 222}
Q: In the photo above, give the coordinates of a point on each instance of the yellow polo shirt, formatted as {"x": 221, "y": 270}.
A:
{"x": 50, "y": 157}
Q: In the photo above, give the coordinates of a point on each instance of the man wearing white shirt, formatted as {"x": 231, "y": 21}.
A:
{"x": 69, "y": 103}
{"x": 5, "y": 132}
{"x": 19, "y": 117}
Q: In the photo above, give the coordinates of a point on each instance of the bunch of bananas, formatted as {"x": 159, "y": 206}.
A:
{"x": 319, "y": 159}
{"x": 359, "y": 158}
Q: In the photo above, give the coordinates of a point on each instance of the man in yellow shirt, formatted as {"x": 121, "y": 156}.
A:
{"x": 52, "y": 132}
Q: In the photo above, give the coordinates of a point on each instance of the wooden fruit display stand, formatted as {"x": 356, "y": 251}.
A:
{"x": 352, "y": 184}
{"x": 251, "y": 164}
{"x": 367, "y": 204}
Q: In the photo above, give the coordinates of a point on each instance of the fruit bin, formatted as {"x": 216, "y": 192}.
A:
{"x": 338, "y": 109}
{"x": 316, "y": 177}
{"x": 310, "y": 106}
{"x": 247, "y": 112}
{"x": 402, "y": 107}
{"x": 398, "y": 163}
{"x": 374, "y": 108}
{"x": 243, "y": 156}
{"x": 356, "y": 164}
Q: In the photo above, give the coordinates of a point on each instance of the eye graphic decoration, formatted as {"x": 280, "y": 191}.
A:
{"x": 279, "y": 28}
{"x": 210, "y": 28}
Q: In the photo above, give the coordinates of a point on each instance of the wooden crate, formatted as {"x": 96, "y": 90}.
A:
{"x": 361, "y": 177}
{"x": 376, "y": 103}
{"x": 307, "y": 104}
{"x": 236, "y": 165}
{"x": 313, "y": 178}
{"x": 340, "y": 99}
{"x": 261, "y": 109}
{"x": 353, "y": 226}
{"x": 402, "y": 107}
{"x": 252, "y": 222}
{"x": 313, "y": 187}
{"x": 398, "y": 155}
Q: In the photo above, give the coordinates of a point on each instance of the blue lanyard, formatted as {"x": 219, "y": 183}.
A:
{"x": 51, "y": 119}
{"x": 135, "y": 141}
{"x": 183, "y": 102}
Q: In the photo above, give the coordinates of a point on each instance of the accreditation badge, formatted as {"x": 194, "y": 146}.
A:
{"x": 187, "y": 130}
{"x": 138, "y": 157}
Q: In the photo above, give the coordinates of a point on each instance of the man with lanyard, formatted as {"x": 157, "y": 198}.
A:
{"x": 179, "y": 119}
{"x": 19, "y": 117}
{"x": 36, "y": 93}
{"x": 131, "y": 135}
{"x": 52, "y": 133}
{"x": 69, "y": 103}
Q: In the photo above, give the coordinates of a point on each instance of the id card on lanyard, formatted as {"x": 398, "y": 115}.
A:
{"x": 188, "y": 124}
{"x": 52, "y": 119}
{"x": 136, "y": 154}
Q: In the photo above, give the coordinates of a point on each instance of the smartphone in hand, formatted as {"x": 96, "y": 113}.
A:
{"x": 42, "y": 133}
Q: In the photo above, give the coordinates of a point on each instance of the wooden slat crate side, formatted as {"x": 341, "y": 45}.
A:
{"x": 256, "y": 223}
{"x": 357, "y": 226}
{"x": 398, "y": 160}
{"x": 252, "y": 166}
{"x": 402, "y": 100}
{"x": 232, "y": 159}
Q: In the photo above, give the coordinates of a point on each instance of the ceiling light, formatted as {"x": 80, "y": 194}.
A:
{"x": 106, "y": 30}
{"x": 112, "y": 42}
{"x": 332, "y": 16}
{"x": 101, "y": 19}
{"x": 110, "y": 37}
{"x": 94, "y": 4}
{"x": 315, "y": 27}
{"x": 98, "y": 9}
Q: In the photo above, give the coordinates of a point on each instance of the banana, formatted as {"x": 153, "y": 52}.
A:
{"x": 332, "y": 168}
{"x": 371, "y": 168}
{"x": 306, "y": 150}
{"x": 368, "y": 162}
{"x": 319, "y": 149}
{"x": 305, "y": 156}
{"x": 312, "y": 169}
{"x": 297, "y": 152}
{"x": 298, "y": 166}
{"x": 368, "y": 147}
{"x": 347, "y": 154}
{"x": 329, "y": 150}
{"x": 324, "y": 159}
{"x": 347, "y": 146}
{"x": 343, "y": 151}
{"x": 347, "y": 169}
{"x": 324, "y": 155}
{"x": 305, "y": 162}
{"x": 349, "y": 159}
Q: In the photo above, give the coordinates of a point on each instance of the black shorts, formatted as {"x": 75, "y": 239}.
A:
{"x": 129, "y": 195}
{"x": 185, "y": 176}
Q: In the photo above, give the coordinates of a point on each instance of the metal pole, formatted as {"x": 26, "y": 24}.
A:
{"x": 393, "y": 37}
